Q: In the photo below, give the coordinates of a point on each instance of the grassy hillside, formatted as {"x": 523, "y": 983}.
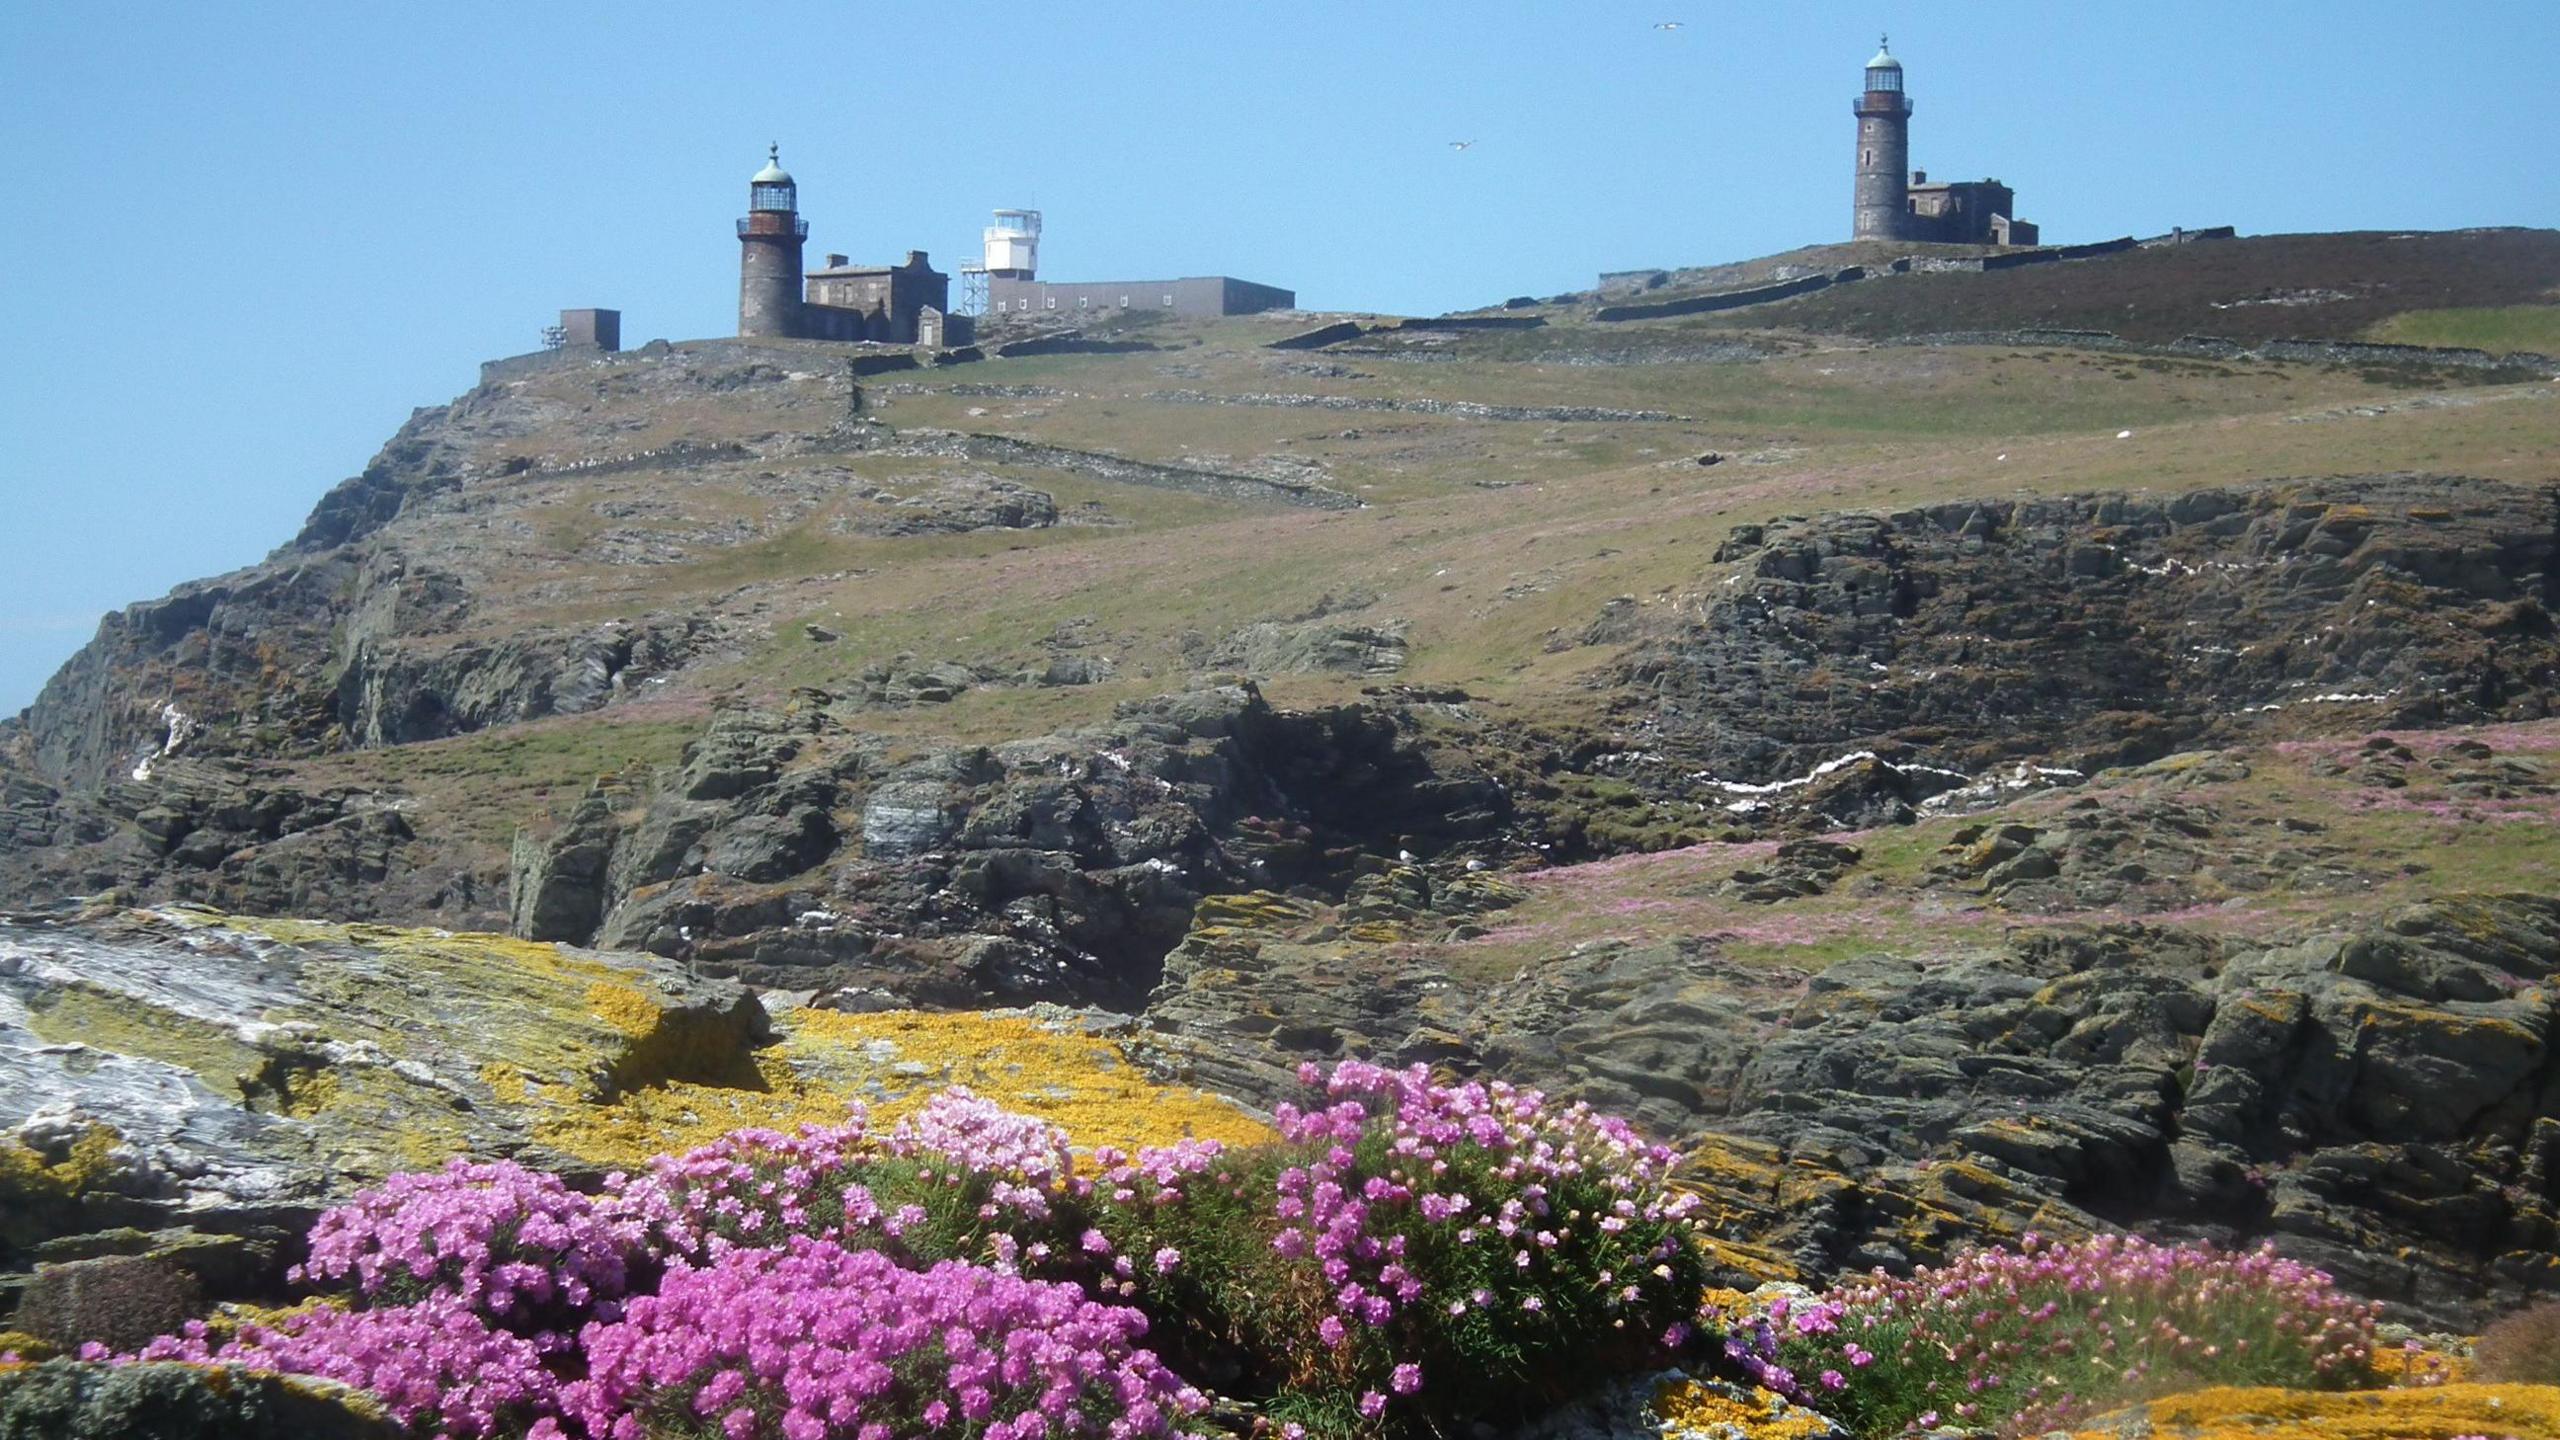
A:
{"x": 2255, "y": 288}
{"x": 1493, "y": 542}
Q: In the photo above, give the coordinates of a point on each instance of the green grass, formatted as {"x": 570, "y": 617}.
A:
{"x": 2500, "y": 329}
{"x": 480, "y": 787}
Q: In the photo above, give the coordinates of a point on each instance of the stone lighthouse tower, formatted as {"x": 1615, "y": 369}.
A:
{"x": 769, "y": 242}
{"x": 1884, "y": 152}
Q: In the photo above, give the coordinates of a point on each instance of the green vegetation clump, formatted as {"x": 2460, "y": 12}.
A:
{"x": 2496, "y": 328}
{"x": 2027, "y": 1340}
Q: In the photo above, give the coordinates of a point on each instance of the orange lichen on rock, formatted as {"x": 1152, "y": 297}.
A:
{"x": 1712, "y": 1410}
{"x": 1085, "y": 1082}
{"x": 889, "y": 1062}
{"x": 2444, "y": 1412}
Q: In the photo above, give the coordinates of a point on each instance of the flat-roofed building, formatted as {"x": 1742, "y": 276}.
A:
{"x": 1197, "y": 295}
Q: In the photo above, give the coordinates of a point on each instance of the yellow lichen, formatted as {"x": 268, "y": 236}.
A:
{"x": 624, "y": 1008}
{"x": 26, "y": 1176}
{"x": 1085, "y": 1083}
{"x": 26, "y": 1347}
{"x": 2448, "y": 1412}
{"x": 1756, "y": 1261}
{"x": 1253, "y": 910}
{"x": 1687, "y": 1408}
{"x": 891, "y": 1062}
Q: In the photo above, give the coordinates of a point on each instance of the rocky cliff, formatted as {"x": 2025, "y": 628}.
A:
{"x": 1937, "y": 858}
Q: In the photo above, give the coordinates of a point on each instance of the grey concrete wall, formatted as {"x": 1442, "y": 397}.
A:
{"x": 1199, "y": 295}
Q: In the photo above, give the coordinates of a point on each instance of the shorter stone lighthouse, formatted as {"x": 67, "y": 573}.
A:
{"x": 1884, "y": 148}
{"x": 769, "y": 244}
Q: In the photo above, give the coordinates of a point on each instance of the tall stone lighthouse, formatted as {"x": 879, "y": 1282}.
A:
{"x": 769, "y": 242}
{"x": 1884, "y": 152}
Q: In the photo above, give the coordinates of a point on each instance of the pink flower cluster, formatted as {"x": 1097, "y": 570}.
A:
{"x": 814, "y": 1341}
{"x": 1409, "y": 1253}
{"x": 437, "y": 1366}
{"x": 752, "y": 1188}
{"x": 2036, "y": 1334}
{"x": 961, "y": 1157}
{"x": 958, "y": 1124}
{"x": 1478, "y": 1218}
{"x": 1021, "y": 1161}
{"x": 516, "y": 1245}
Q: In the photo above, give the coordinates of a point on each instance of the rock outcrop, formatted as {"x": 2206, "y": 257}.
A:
{"x": 2379, "y": 1101}
{"x": 2098, "y": 630}
{"x": 180, "y": 1090}
{"x": 787, "y": 850}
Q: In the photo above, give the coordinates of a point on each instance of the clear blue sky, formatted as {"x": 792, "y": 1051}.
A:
{"x": 241, "y": 240}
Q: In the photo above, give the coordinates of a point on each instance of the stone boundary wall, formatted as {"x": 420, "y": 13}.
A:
{"x": 1005, "y": 450}
{"x": 1721, "y": 300}
{"x": 1469, "y": 322}
{"x": 2219, "y": 347}
{"x": 1341, "y": 330}
{"x": 1462, "y": 409}
{"x": 2190, "y": 237}
{"x": 1906, "y": 265}
{"x": 1319, "y": 337}
{"x": 536, "y": 362}
{"x": 859, "y": 359}
{"x": 986, "y": 449}
{"x": 1073, "y": 345}
{"x": 2010, "y": 260}
{"x": 678, "y": 455}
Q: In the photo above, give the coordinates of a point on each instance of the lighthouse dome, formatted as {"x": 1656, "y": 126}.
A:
{"x": 1884, "y": 58}
{"x": 772, "y": 173}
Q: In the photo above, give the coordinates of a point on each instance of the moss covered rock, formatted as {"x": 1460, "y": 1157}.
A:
{"x": 70, "y": 1400}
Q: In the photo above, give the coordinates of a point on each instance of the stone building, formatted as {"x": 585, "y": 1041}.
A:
{"x": 1886, "y": 206}
{"x": 591, "y": 329}
{"x": 903, "y": 304}
{"x": 845, "y": 301}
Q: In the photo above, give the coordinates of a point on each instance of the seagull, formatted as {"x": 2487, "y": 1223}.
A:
{"x": 1460, "y": 144}
{"x": 1666, "y": 24}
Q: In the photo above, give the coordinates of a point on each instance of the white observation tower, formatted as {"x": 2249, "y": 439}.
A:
{"x": 1012, "y": 252}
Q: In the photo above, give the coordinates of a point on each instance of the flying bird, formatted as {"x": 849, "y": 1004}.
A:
{"x": 1666, "y": 24}
{"x": 1460, "y": 144}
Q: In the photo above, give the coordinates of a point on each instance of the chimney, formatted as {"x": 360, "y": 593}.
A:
{"x": 837, "y": 262}
{"x": 915, "y": 260}
{"x": 1919, "y": 177}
